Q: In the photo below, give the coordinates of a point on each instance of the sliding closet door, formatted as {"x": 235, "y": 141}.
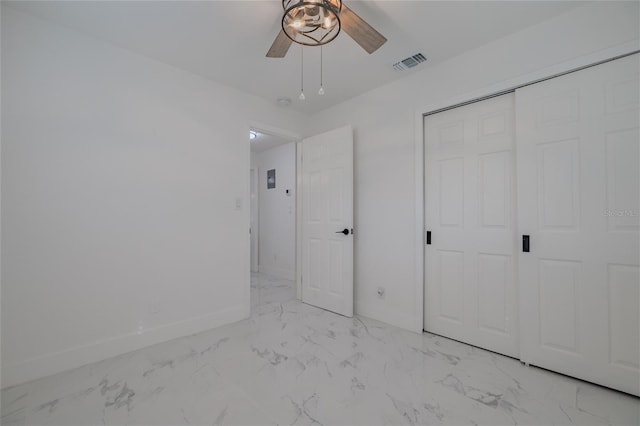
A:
{"x": 470, "y": 292}
{"x": 578, "y": 185}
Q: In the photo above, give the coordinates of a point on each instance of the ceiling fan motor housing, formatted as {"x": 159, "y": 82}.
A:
{"x": 317, "y": 22}
{"x": 311, "y": 22}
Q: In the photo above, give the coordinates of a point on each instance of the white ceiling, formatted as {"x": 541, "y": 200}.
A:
{"x": 226, "y": 41}
{"x": 264, "y": 141}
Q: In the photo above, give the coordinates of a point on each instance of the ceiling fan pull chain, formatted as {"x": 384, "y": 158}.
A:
{"x": 321, "y": 91}
{"x": 302, "y": 97}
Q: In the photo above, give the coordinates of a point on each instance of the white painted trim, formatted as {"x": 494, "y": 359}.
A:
{"x": 275, "y": 272}
{"x": 275, "y": 131}
{"x": 418, "y": 321}
{"x": 567, "y": 66}
{"x": 299, "y": 195}
{"x": 57, "y": 362}
{"x": 603, "y": 55}
{"x": 255, "y": 231}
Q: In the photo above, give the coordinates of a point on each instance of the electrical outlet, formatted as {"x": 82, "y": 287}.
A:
{"x": 381, "y": 292}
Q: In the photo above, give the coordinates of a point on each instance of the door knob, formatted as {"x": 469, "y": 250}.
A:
{"x": 345, "y": 231}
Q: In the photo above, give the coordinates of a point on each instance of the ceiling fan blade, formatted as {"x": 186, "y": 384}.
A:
{"x": 363, "y": 34}
{"x": 280, "y": 46}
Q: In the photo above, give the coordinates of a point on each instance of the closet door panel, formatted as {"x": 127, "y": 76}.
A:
{"x": 578, "y": 184}
{"x": 470, "y": 292}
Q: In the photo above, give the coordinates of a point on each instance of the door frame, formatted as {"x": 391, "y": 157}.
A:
{"x": 497, "y": 89}
{"x": 299, "y": 195}
{"x": 255, "y": 230}
{"x": 296, "y": 139}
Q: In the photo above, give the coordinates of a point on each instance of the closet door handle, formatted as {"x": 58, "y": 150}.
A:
{"x": 525, "y": 244}
{"x": 428, "y": 237}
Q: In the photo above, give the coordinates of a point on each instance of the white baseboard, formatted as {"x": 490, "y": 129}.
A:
{"x": 273, "y": 271}
{"x": 53, "y": 363}
{"x": 399, "y": 319}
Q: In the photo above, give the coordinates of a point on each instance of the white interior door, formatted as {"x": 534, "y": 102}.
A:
{"x": 578, "y": 185}
{"x": 253, "y": 220}
{"x": 327, "y": 211}
{"x": 470, "y": 291}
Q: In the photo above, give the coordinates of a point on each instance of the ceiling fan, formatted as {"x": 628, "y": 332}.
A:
{"x": 317, "y": 22}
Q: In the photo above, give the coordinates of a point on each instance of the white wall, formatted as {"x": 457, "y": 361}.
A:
{"x": 277, "y": 227}
{"x": 120, "y": 175}
{"x": 119, "y": 183}
{"x": 384, "y": 141}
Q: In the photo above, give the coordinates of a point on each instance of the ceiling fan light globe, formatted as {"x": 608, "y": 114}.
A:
{"x": 311, "y": 22}
{"x": 336, "y": 4}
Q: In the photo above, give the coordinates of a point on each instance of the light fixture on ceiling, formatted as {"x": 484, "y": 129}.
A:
{"x": 252, "y": 135}
{"x": 316, "y": 23}
{"x": 311, "y": 22}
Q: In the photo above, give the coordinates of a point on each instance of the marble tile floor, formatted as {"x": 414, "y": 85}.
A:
{"x": 294, "y": 364}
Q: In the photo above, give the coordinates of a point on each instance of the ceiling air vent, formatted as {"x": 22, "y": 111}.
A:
{"x": 410, "y": 62}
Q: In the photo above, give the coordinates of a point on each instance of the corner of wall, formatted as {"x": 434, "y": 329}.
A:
{"x": 58, "y": 362}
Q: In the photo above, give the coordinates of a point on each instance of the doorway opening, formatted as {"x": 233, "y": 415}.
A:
{"x": 273, "y": 198}
{"x": 287, "y": 238}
